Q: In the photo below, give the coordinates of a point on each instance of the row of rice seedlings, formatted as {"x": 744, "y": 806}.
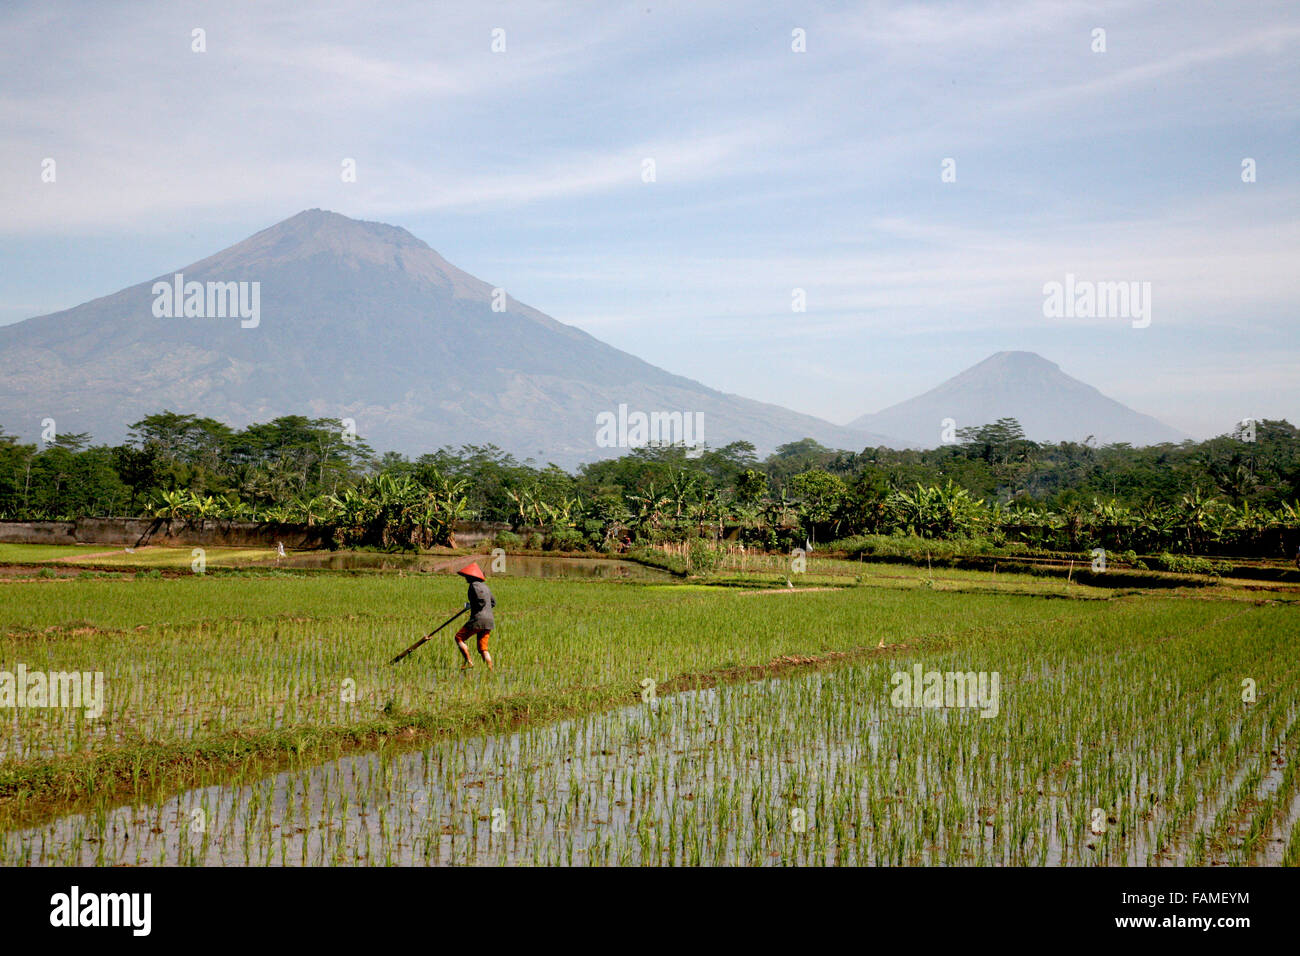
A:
{"x": 1291, "y": 855}
{"x": 1238, "y": 829}
{"x": 1218, "y": 762}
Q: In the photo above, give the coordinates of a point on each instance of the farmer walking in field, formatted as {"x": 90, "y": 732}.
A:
{"x": 480, "y": 603}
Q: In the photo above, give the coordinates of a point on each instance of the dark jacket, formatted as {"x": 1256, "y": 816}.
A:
{"x": 481, "y": 603}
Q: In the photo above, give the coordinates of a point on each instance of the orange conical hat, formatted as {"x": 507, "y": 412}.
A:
{"x": 472, "y": 571}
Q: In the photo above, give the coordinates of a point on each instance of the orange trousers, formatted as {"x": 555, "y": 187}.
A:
{"x": 466, "y": 632}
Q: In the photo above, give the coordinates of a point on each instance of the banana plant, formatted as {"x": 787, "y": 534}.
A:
{"x": 205, "y": 508}
{"x": 649, "y": 509}
{"x": 173, "y": 505}
{"x": 233, "y": 509}
{"x": 1196, "y": 514}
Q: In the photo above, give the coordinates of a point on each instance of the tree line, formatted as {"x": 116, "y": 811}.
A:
{"x": 1226, "y": 494}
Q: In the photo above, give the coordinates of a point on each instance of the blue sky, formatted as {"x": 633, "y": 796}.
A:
{"x": 775, "y": 170}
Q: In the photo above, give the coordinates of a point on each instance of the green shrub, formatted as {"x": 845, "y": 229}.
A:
{"x": 913, "y": 546}
{"x": 567, "y": 539}
{"x": 507, "y": 540}
{"x": 1190, "y": 564}
{"x": 704, "y": 557}
{"x": 655, "y": 558}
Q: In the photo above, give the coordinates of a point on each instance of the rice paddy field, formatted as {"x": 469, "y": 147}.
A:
{"x": 250, "y": 717}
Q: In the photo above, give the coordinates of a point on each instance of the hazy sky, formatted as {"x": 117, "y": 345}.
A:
{"x": 774, "y": 170}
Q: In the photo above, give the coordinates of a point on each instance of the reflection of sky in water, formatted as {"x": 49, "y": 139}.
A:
{"x": 715, "y": 772}
{"x": 527, "y": 566}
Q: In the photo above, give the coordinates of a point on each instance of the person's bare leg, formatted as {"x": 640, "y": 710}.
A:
{"x": 483, "y": 650}
{"x": 487, "y": 658}
{"x": 464, "y": 652}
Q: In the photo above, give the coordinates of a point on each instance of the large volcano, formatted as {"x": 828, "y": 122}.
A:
{"x": 360, "y": 320}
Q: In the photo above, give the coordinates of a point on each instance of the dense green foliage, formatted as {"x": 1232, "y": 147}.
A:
{"x": 1225, "y": 494}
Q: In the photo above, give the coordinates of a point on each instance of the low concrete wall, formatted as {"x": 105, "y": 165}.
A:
{"x": 229, "y": 534}
{"x": 471, "y": 534}
{"x": 136, "y": 532}
{"x": 38, "y": 532}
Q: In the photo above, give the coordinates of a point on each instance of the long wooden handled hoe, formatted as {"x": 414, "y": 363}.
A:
{"x": 427, "y": 636}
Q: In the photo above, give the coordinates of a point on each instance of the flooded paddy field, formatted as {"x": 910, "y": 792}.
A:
{"x": 63, "y": 559}
{"x": 1103, "y": 746}
{"x": 800, "y": 771}
{"x": 527, "y": 566}
{"x": 252, "y": 719}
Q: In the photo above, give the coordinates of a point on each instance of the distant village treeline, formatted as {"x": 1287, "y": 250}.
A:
{"x": 1225, "y": 495}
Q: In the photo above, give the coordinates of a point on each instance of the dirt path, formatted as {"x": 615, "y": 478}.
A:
{"x": 75, "y": 558}
{"x": 780, "y": 590}
{"x": 776, "y": 667}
